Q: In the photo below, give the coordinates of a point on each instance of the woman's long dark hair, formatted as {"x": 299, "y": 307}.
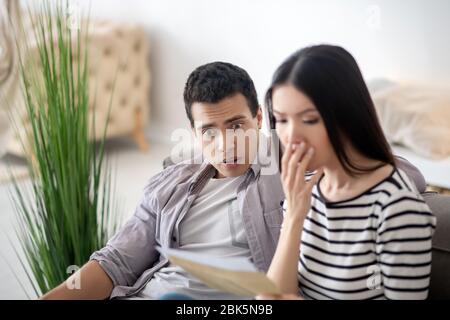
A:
{"x": 331, "y": 78}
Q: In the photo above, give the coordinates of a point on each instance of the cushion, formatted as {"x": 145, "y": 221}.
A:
{"x": 416, "y": 117}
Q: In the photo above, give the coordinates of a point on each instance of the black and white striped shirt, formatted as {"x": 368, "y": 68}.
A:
{"x": 376, "y": 245}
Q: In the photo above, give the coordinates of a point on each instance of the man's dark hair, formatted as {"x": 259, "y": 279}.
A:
{"x": 215, "y": 81}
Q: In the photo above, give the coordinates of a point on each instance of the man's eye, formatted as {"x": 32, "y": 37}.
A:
{"x": 236, "y": 126}
{"x": 209, "y": 132}
{"x": 310, "y": 121}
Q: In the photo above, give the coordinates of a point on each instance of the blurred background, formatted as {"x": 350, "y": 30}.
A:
{"x": 394, "y": 39}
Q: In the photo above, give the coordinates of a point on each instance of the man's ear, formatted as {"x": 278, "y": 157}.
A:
{"x": 193, "y": 131}
{"x": 259, "y": 117}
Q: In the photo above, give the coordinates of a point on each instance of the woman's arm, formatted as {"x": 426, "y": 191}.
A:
{"x": 403, "y": 248}
{"x": 283, "y": 269}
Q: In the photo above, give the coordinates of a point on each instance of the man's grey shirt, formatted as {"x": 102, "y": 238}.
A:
{"x": 130, "y": 258}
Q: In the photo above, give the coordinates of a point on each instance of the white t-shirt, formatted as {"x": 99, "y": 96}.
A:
{"x": 213, "y": 226}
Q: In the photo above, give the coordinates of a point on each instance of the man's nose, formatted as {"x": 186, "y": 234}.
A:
{"x": 224, "y": 143}
{"x": 220, "y": 141}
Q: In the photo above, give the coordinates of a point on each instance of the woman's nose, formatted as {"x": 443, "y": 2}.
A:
{"x": 294, "y": 136}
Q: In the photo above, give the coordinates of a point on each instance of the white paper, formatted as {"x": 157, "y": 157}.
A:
{"x": 234, "y": 275}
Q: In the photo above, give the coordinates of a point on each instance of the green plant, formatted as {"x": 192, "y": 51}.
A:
{"x": 66, "y": 214}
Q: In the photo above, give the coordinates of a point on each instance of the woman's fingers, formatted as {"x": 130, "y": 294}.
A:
{"x": 285, "y": 160}
{"x": 295, "y": 158}
{"x": 315, "y": 179}
{"x": 290, "y": 168}
{"x": 301, "y": 168}
{"x": 295, "y": 161}
{"x": 306, "y": 159}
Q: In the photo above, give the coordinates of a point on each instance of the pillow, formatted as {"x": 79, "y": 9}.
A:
{"x": 416, "y": 117}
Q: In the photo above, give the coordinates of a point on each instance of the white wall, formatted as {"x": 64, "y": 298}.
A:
{"x": 406, "y": 40}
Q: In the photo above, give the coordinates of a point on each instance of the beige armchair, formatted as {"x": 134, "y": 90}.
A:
{"x": 118, "y": 65}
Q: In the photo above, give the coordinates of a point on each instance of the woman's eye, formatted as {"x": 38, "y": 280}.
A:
{"x": 310, "y": 121}
{"x": 280, "y": 120}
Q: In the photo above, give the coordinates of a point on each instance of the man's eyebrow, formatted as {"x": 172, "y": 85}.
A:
{"x": 206, "y": 126}
{"x": 233, "y": 119}
{"x": 297, "y": 114}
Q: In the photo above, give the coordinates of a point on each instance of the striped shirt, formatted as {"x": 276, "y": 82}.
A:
{"x": 376, "y": 245}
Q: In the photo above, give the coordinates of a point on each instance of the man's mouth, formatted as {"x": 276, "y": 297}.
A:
{"x": 231, "y": 161}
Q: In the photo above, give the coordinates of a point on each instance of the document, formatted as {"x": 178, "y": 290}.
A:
{"x": 233, "y": 275}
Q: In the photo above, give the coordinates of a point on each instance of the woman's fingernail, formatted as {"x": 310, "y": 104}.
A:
{"x": 302, "y": 145}
{"x": 311, "y": 150}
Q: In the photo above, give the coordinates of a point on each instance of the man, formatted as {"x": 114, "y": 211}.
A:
{"x": 223, "y": 206}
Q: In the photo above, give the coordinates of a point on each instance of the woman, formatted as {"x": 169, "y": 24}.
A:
{"x": 358, "y": 228}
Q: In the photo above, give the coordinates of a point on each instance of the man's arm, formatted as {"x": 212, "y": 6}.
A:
{"x": 126, "y": 255}
{"x": 95, "y": 284}
{"x": 120, "y": 262}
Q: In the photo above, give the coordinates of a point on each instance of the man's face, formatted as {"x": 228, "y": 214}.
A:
{"x": 227, "y": 134}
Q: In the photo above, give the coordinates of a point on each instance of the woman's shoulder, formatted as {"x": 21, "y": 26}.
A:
{"x": 396, "y": 184}
{"x": 378, "y": 188}
{"x": 401, "y": 203}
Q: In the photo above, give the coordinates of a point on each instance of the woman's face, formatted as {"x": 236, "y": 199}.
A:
{"x": 297, "y": 120}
